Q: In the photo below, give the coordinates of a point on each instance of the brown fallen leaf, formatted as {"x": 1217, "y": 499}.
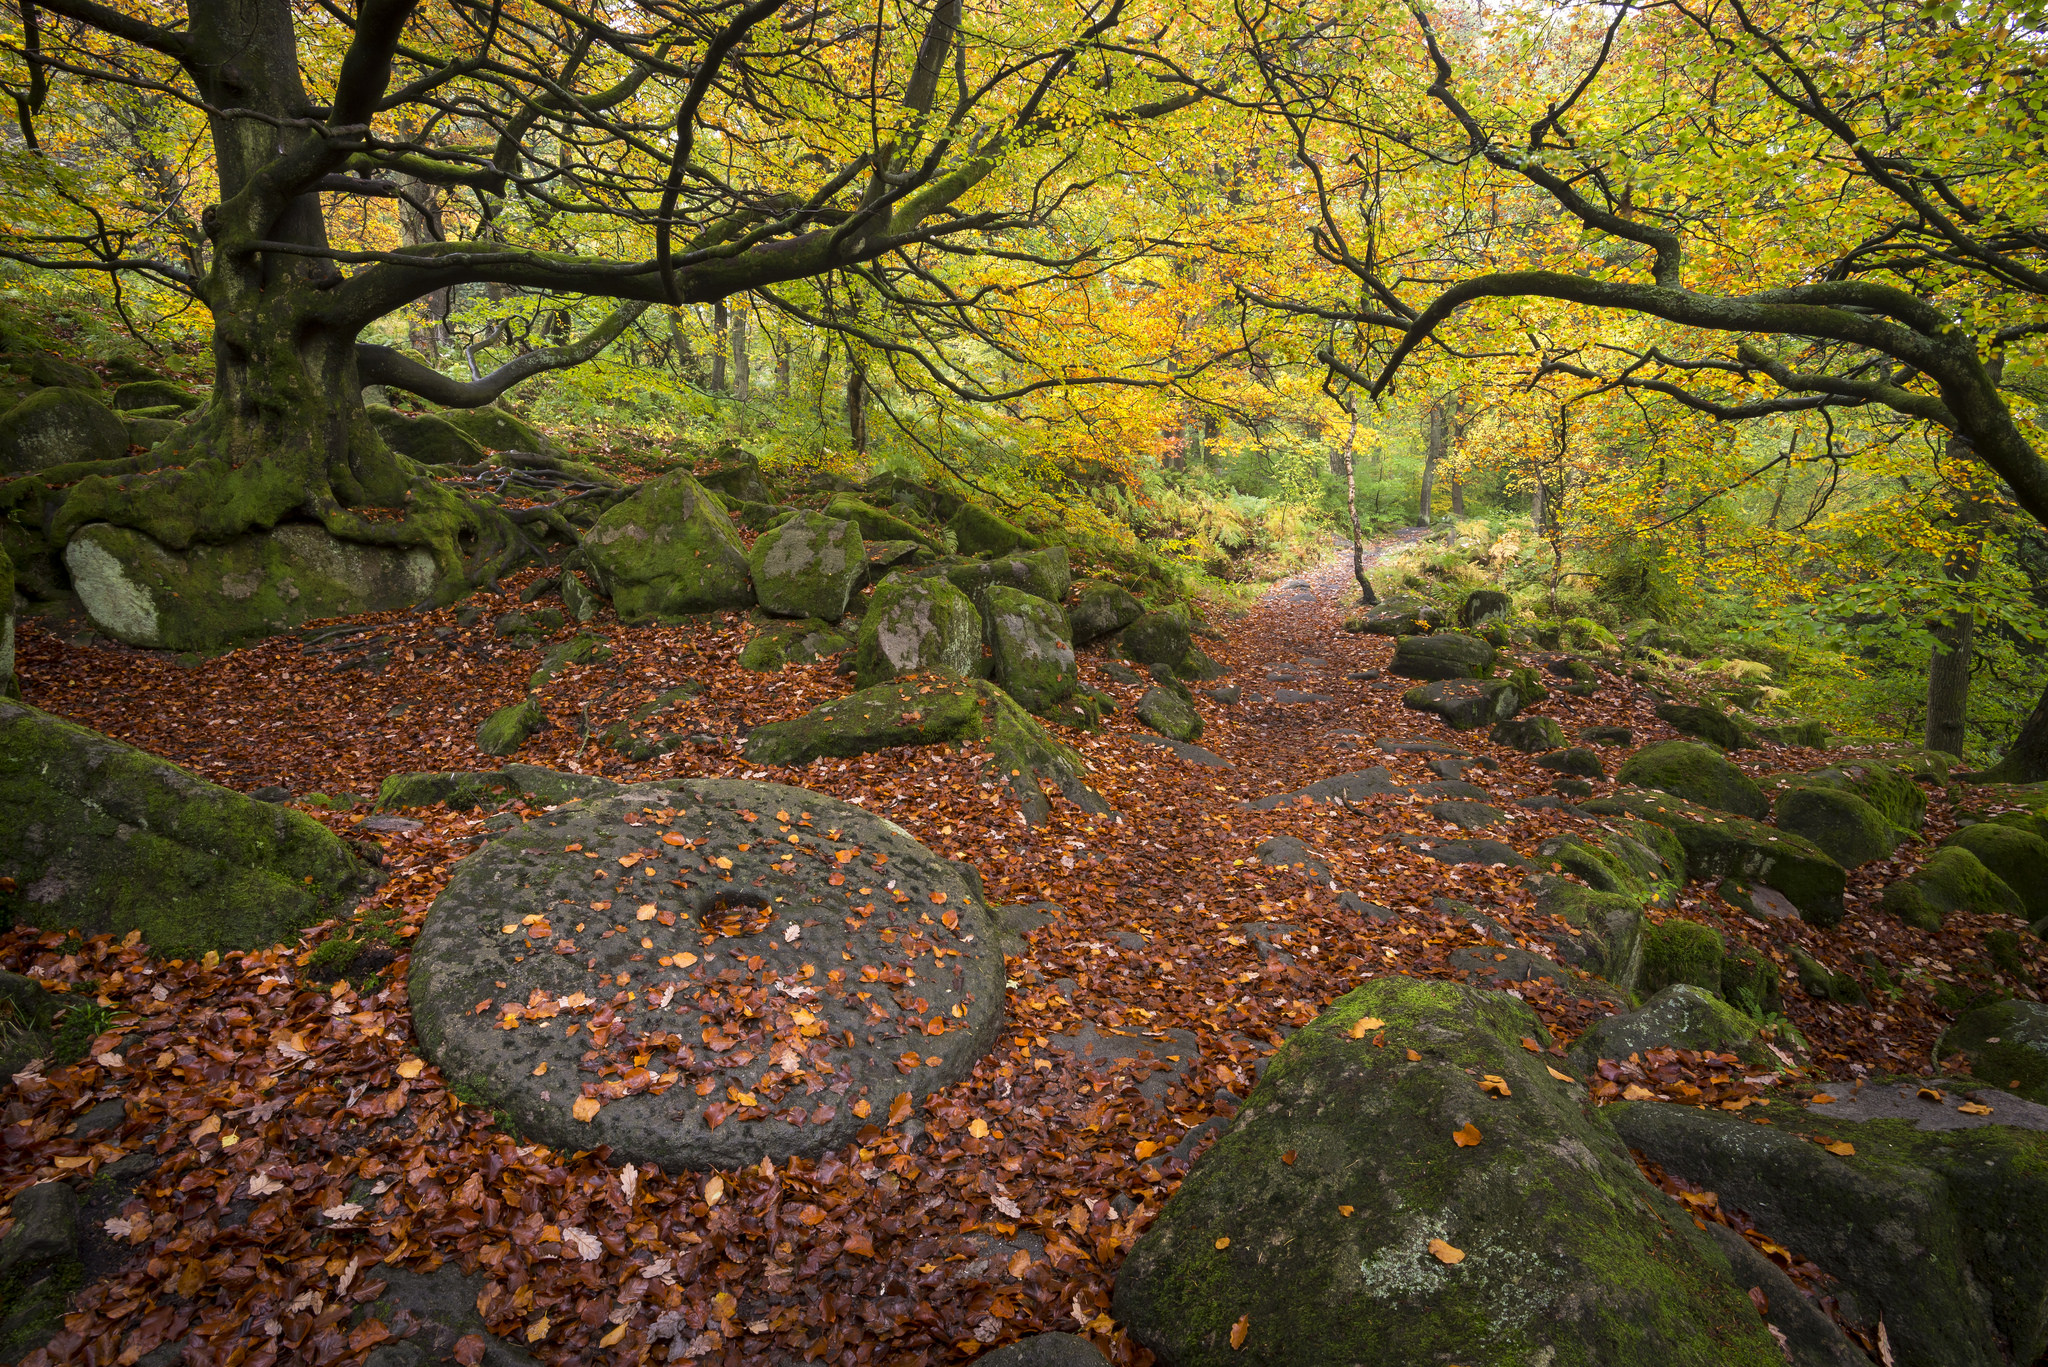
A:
{"x": 1561, "y": 1077}
{"x": 1531, "y": 1045}
{"x": 1821, "y": 1099}
{"x": 1494, "y": 1085}
{"x": 1223, "y": 1242}
{"x": 1974, "y": 1108}
{"x": 1345, "y": 1211}
{"x": 411, "y": 1068}
{"x": 979, "y": 1129}
{"x": 1365, "y": 1025}
{"x": 1289, "y": 1157}
{"x": 1445, "y": 1253}
{"x": 1239, "y": 1330}
{"x": 1635, "y": 1091}
{"x": 1466, "y": 1136}
{"x": 1841, "y": 1148}
{"x": 714, "y": 1190}
{"x": 1930, "y": 1094}
{"x": 1414, "y": 1057}
{"x": 586, "y": 1108}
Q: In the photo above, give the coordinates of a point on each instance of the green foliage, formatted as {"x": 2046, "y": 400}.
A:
{"x": 80, "y": 1024}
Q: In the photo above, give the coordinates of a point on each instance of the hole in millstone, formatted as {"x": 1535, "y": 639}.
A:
{"x": 736, "y": 914}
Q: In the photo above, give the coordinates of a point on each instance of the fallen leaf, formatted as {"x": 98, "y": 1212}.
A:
{"x": 1466, "y": 1136}
{"x": 411, "y": 1068}
{"x": 1289, "y": 1157}
{"x": 586, "y": 1108}
{"x": 1223, "y": 1242}
{"x": 1930, "y": 1094}
{"x": 1365, "y": 1025}
{"x": 1146, "y": 1148}
{"x": 1841, "y": 1148}
{"x": 714, "y": 1190}
{"x": 1635, "y": 1091}
{"x": 618, "y": 1332}
{"x": 1414, "y": 1057}
{"x": 1973, "y": 1108}
{"x": 1531, "y": 1045}
{"x": 1345, "y": 1211}
{"x": 1445, "y": 1253}
{"x": 1239, "y": 1330}
{"x": 899, "y": 1109}
{"x": 1494, "y": 1085}
{"x": 1561, "y": 1077}
{"x": 1821, "y": 1099}
{"x": 647, "y": 912}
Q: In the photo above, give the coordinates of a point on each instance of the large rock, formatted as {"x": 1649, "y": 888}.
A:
{"x": 1442, "y": 655}
{"x": 1158, "y": 638}
{"x": 1027, "y": 638}
{"x": 495, "y": 429}
{"x": 1043, "y": 573}
{"x": 1680, "y": 1016}
{"x": 1021, "y": 755}
{"x": 808, "y": 567}
{"x": 136, "y": 590}
{"x": 748, "y": 905}
{"x": 1339, "y": 1223}
{"x": 977, "y": 531}
{"x": 668, "y": 551}
{"x": 1697, "y": 773}
{"x": 1704, "y": 722}
{"x": 1718, "y": 845}
{"x": 1681, "y": 951}
{"x": 1170, "y": 714}
{"x": 98, "y": 836}
{"x": 1598, "y": 932}
{"x": 876, "y": 525}
{"x": 1637, "y": 859}
{"x": 8, "y": 687}
{"x": 155, "y": 394}
{"x": 1530, "y": 735}
{"x": 1102, "y": 609}
{"x": 1942, "y": 1236}
{"x": 1399, "y": 616}
{"x": 1887, "y": 787}
{"x": 427, "y": 438}
{"x": 1464, "y": 704}
{"x": 2017, "y": 857}
{"x": 508, "y": 728}
{"x": 1482, "y": 606}
{"x": 59, "y": 427}
{"x": 739, "y": 478}
{"x": 39, "y": 1267}
{"x": 2004, "y": 1044}
{"x": 1850, "y": 830}
{"x": 917, "y": 626}
{"x": 1952, "y": 879}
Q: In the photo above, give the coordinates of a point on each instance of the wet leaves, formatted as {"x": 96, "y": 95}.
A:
{"x": 1466, "y": 1136}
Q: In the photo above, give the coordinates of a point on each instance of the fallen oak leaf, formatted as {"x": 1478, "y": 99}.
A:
{"x": 1494, "y": 1085}
{"x": 411, "y": 1068}
{"x": 1466, "y": 1136}
{"x": 1239, "y": 1330}
{"x": 586, "y": 1108}
{"x": 1561, "y": 1077}
{"x": 1365, "y": 1025}
{"x": 1444, "y": 1253}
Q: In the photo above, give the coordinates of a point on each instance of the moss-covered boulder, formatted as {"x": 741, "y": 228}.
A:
{"x": 876, "y": 525}
{"x": 1338, "y": 1222}
{"x": 1888, "y": 787}
{"x": 1043, "y": 573}
{"x": 426, "y": 437}
{"x": 1851, "y": 830}
{"x": 1696, "y": 773}
{"x": 808, "y": 567}
{"x": 1597, "y": 932}
{"x": 1707, "y": 723}
{"x": 508, "y": 728}
{"x": 1530, "y": 735}
{"x": 1680, "y": 1016}
{"x": 8, "y": 687}
{"x": 1681, "y": 951}
{"x": 2004, "y": 1044}
{"x": 1483, "y": 606}
{"x": 2017, "y": 857}
{"x": 40, "y": 1267}
{"x": 212, "y": 595}
{"x": 1441, "y": 655}
{"x": 738, "y": 477}
{"x": 1399, "y": 615}
{"x": 99, "y": 836}
{"x": 666, "y": 552}
{"x": 917, "y": 626}
{"x": 1811, "y": 734}
{"x": 1578, "y": 762}
{"x": 1465, "y": 704}
{"x": 155, "y": 394}
{"x": 1170, "y": 714}
{"x": 798, "y": 642}
{"x": 1031, "y": 658}
{"x": 59, "y": 427}
{"x": 1940, "y": 1234}
{"x": 977, "y": 531}
{"x": 935, "y": 712}
{"x": 1750, "y": 981}
{"x": 497, "y": 429}
{"x": 897, "y": 489}
{"x": 1720, "y": 845}
{"x": 1953, "y": 879}
{"x": 1101, "y": 609}
{"x": 464, "y": 790}
{"x": 1166, "y": 638}
{"x": 150, "y": 432}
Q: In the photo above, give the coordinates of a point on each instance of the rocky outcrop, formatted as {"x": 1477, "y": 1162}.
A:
{"x": 99, "y": 836}
{"x": 1407, "y": 1183}
{"x": 1719, "y": 845}
{"x": 917, "y": 626}
{"x": 977, "y": 531}
{"x": 1698, "y": 774}
{"x": 212, "y": 595}
{"x": 1442, "y": 655}
{"x": 808, "y": 566}
{"x": 1027, "y": 640}
{"x": 1101, "y": 609}
{"x": 54, "y": 427}
{"x": 666, "y": 552}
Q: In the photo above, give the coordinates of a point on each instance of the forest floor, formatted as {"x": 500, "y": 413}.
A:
{"x": 301, "y": 1149}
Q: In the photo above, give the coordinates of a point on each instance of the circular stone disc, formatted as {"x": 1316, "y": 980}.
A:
{"x": 788, "y": 965}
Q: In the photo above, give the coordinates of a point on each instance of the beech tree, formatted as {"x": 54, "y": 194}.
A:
{"x": 663, "y": 152}
{"x": 1831, "y": 208}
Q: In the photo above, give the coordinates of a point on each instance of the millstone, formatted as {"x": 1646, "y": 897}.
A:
{"x": 726, "y": 971}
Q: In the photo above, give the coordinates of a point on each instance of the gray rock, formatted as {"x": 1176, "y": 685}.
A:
{"x": 1811, "y": 1338}
{"x": 444, "y": 1302}
{"x": 45, "y": 1229}
{"x": 1399, "y": 616}
{"x": 774, "y": 902}
{"x": 1481, "y": 851}
{"x": 1680, "y": 1016}
{"x": 1530, "y": 735}
{"x": 1226, "y": 694}
{"x": 1469, "y": 816}
{"x": 1940, "y": 1235}
{"x": 1102, "y": 609}
{"x": 105, "y": 1117}
{"x": 1285, "y": 852}
{"x": 1707, "y": 723}
{"x": 666, "y": 552}
{"x": 61, "y": 426}
{"x": 1482, "y": 606}
{"x": 99, "y": 836}
{"x": 211, "y": 595}
{"x": 2005, "y": 1044}
{"x": 1607, "y": 735}
{"x": 1192, "y": 754}
{"x": 1578, "y": 762}
{"x": 1465, "y": 704}
{"x": 1423, "y": 747}
{"x": 1119, "y": 672}
{"x": 1355, "y": 786}
{"x": 1287, "y": 695}
{"x": 578, "y": 598}
{"x": 1169, "y": 715}
{"x": 1442, "y": 655}
{"x": 916, "y": 627}
{"x": 508, "y": 728}
{"x": 1027, "y": 640}
{"x": 808, "y": 567}
{"x": 1558, "y": 1251}
{"x": 1911, "y": 1102}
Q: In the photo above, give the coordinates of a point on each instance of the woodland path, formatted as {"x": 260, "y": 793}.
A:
{"x": 1141, "y": 1008}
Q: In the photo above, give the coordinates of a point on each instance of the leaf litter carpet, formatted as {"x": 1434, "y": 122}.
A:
{"x": 293, "y": 1146}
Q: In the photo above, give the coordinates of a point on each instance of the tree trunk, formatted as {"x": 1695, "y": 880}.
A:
{"x": 857, "y": 406}
{"x": 2026, "y": 761}
{"x": 1365, "y": 593}
{"x": 721, "y": 335}
{"x": 1457, "y": 498}
{"x": 1432, "y": 451}
{"x": 742, "y": 364}
{"x": 1954, "y": 629}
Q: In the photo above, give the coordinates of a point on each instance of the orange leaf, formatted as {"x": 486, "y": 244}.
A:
{"x": 1146, "y": 1148}
{"x": 1635, "y": 1091}
{"x": 1821, "y": 1099}
{"x": 1973, "y": 1108}
{"x": 1561, "y": 1077}
{"x": 671, "y": 838}
{"x": 586, "y": 1108}
{"x": 1842, "y": 1148}
{"x": 1465, "y": 1137}
{"x": 979, "y": 1129}
{"x": 1239, "y": 1330}
{"x": 1345, "y": 1211}
{"x": 1414, "y": 1057}
{"x": 1494, "y": 1084}
{"x": 1531, "y": 1045}
{"x": 714, "y": 1190}
{"x": 1365, "y": 1025}
{"x": 1445, "y": 1253}
{"x": 410, "y": 1068}
{"x": 899, "y": 1109}
{"x": 1223, "y": 1242}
